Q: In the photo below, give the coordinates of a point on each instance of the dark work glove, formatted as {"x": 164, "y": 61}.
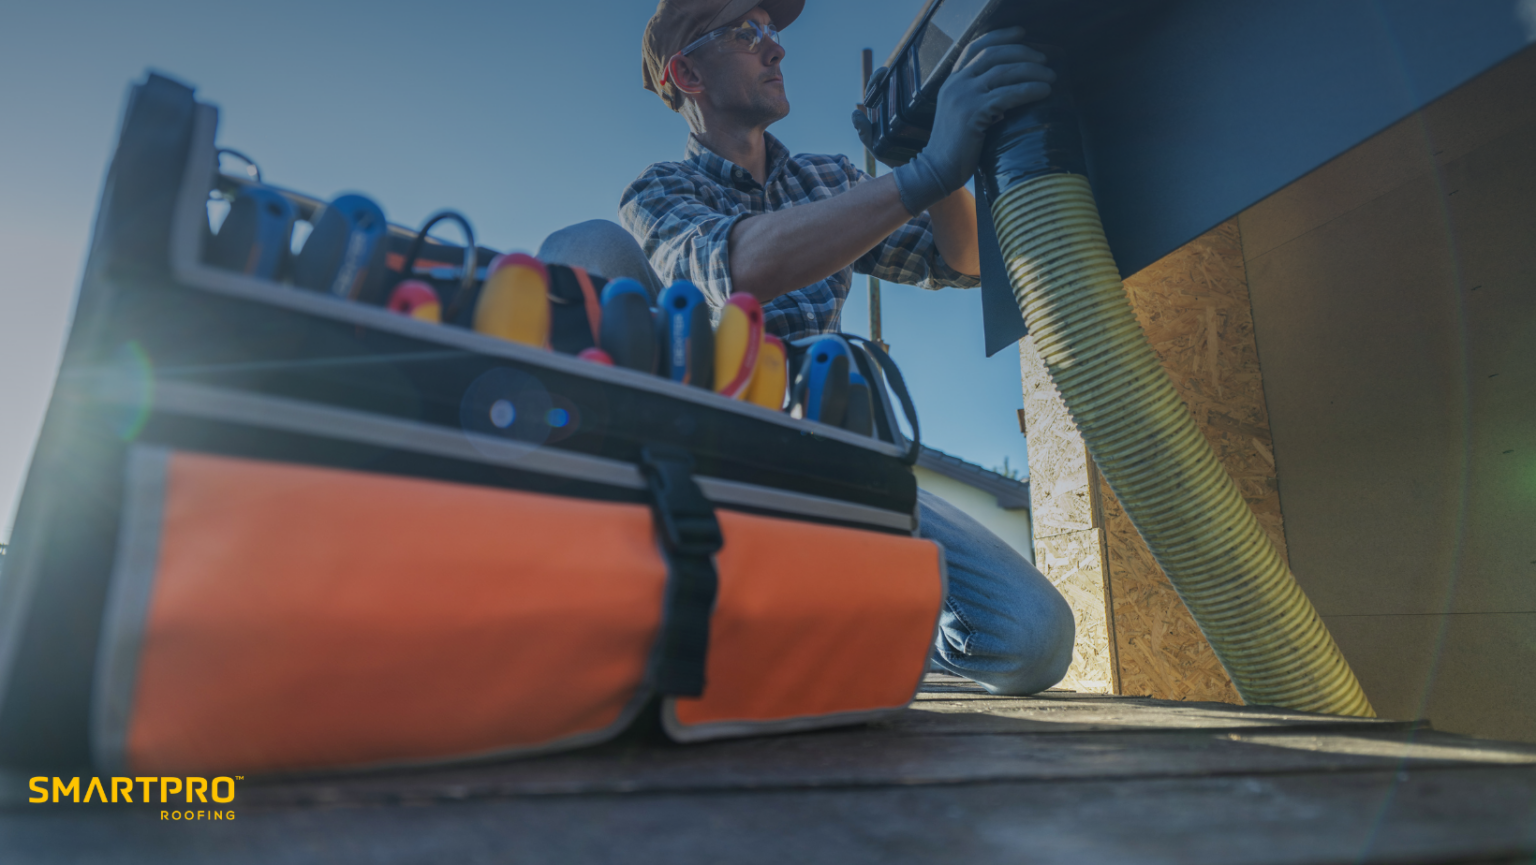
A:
{"x": 993, "y": 75}
{"x": 866, "y": 127}
{"x": 866, "y": 130}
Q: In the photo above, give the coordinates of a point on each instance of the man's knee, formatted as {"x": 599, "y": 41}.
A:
{"x": 602, "y": 247}
{"x": 1038, "y": 652}
{"x": 582, "y": 236}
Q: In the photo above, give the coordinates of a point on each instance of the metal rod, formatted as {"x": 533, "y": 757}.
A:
{"x": 875, "y": 335}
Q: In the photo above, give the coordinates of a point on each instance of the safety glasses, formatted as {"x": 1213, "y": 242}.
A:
{"x": 744, "y": 38}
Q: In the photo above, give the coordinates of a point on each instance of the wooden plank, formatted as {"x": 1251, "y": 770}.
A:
{"x": 1074, "y": 713}
{"x": 944, "y": 739}
{"x": 1459, "y": 815}
{"x": 844, "y": 760}
{"x": 1059, "y": 777}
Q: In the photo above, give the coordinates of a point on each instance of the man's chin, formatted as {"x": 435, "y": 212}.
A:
{"x": 774, "y": 110}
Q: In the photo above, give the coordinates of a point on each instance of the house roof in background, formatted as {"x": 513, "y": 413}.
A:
{"x": 1010, "y": 494}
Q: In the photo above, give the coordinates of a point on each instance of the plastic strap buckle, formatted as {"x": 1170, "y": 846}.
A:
{"x": 692, "y": 537}
{"x": 687, "y": 518}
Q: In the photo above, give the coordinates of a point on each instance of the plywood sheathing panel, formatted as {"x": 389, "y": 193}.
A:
{"x": 1160, "y": 650}
{"x": 1193, "y": 305}
{"x": 1058, "y": 474}
{"x": 1068, "y": 543}
{"x": 1074, "y": 563}
{"x": 1394, "y": 311}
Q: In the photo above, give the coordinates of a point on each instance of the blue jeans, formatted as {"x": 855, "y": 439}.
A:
{"x": 1003, "y": 625}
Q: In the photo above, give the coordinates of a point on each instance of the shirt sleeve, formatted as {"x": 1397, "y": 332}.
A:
{"x": 909, "y": 255}
{"x": 679, "y": 232}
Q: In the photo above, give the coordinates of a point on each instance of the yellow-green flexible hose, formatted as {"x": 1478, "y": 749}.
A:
{"x": 1182, "y": 501}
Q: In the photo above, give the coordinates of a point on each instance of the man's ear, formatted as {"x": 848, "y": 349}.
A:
{"x": 685, "y": 75}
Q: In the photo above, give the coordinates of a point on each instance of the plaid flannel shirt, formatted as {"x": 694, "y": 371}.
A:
{"x": 682, "y": 214}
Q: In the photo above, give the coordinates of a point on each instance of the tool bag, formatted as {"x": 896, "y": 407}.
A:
{"x": 270, "y": 530}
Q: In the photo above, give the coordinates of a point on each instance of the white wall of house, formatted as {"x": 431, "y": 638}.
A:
{"x": 1012, "y": 526}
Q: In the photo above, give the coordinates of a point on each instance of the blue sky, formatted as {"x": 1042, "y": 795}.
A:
{"x": 524, "y": 116}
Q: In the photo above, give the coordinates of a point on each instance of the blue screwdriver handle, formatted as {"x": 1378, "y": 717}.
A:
{"x": 825, "y": 380}
{"x": 685, "y": 336}
{"x": 628, "y": 333}
{"x": 860, "y": 414}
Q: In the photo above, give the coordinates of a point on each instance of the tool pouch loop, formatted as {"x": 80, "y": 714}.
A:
{"x": 690, "y": 537}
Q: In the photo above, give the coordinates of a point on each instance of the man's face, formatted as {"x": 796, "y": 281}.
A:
{"x": 749, "y": 87}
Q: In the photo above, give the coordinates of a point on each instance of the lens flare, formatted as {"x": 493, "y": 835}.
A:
{"x": 126, "y": 391}
{"x": 506, "y": 404}
{"x": 565, "y": 418}
{"x": 502, "y": 414}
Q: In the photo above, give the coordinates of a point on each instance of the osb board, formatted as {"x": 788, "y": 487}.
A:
{"x": 1068, "y": 544}
{"x": 1160, "y": 650}
{"x": 1194, "y": 307}
{"x": 1058, "y": 472}
{"x": 1073, "y": 562}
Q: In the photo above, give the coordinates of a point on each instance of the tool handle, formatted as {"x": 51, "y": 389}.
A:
{"x": 252, "y": 170}
{"x": 513, "y": 304}
{"x": 737, "y": 341}
{"x": 685, "y": 336}
{"x": 859, "y": 416}
{"x": 768, "y": 382}
{"x": 416, "y": 299}
{"x": 825, "y": 373}
{"x": 471, "y": 258}
{"x": 628, "y": 333}
{"x": 898, "y": 386}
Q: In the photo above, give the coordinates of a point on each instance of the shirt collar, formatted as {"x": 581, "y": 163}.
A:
{"x": 727, "y": 173}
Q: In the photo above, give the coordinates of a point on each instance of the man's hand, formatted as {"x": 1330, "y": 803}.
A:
{"x": 993, "y": 75}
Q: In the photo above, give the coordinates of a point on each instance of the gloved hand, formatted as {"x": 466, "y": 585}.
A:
{"x": 866, "y": 129}
{"x": 993, "y": 75}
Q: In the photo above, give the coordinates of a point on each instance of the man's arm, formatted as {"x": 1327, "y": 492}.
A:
{"x": 778, "y": 252}
{"x": 954, "y": 231}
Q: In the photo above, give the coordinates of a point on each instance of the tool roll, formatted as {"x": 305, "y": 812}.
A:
{"x": 270, "y": 530}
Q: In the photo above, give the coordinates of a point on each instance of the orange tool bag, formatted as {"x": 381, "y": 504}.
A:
{"x": 268, "y": 530}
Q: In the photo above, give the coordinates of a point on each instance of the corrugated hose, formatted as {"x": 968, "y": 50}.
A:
{"x": 1146, "y": 445}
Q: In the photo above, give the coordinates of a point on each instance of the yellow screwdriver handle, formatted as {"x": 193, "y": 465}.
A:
{"x": 514, "y": 302}
{"x": 767, "y": 387}
{"x": 737, "y": 341}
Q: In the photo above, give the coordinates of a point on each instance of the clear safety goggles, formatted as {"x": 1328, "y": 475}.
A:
{"x": 744, "y": 38}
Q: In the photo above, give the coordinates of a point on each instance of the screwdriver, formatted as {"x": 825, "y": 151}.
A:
{"x": 628, "y": 333}
{"x": 254, "y": 236}
{"x": 344, "y": 254}
{"x": 684, "y": 334}
{"x": 859, "y": 417}
{"x": 417, "y": 300}
{"x": 767, "y": 388}
{"x": 514, "y": 301}
{"x": 737, "y": 342}
{"x": 821, "y": 387}
{"x": 596, "y": 355}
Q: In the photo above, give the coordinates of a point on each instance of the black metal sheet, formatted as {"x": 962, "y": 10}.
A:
{"x": 1194, "y": 111}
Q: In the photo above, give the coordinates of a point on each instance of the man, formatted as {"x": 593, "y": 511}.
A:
{"x": 741, "y": 214}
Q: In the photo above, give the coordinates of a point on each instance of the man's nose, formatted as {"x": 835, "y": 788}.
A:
{"x": 772, "y": 53}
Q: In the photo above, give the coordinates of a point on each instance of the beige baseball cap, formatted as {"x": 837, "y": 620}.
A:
{"x": 678, "y": 22}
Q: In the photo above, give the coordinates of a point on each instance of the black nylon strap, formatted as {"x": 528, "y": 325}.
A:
{"x": 691, "y": 535}
{"x": 899, "y": 386}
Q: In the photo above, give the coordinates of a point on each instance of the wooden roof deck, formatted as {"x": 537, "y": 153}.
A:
{"x": 962, "y": 776}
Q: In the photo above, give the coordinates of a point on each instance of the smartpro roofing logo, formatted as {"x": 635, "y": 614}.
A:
{"x": 122, "y": 791}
